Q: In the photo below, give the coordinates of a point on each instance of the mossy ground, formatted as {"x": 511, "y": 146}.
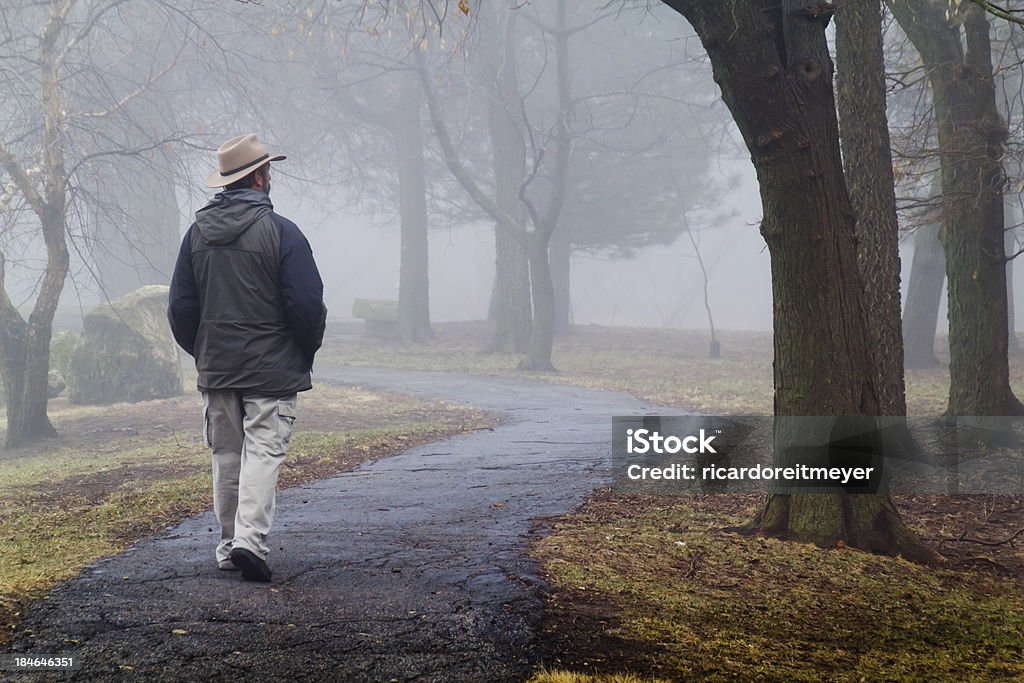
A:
{"x": 658, "y": 587}
{"x": 118, "y": 474}
{"x": 545, "y": 676}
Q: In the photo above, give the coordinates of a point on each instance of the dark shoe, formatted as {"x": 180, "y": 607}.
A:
{"x": 253, "y": 568}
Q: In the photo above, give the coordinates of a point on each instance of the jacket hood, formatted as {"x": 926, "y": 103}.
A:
{"x": 231, "y": 213}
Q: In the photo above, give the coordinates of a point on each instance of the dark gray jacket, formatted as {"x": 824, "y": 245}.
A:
{"x": 246, "y": 298}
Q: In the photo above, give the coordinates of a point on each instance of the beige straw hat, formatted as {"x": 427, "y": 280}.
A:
{"x": 237, "y": 158}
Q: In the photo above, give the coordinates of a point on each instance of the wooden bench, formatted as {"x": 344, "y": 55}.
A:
{"x": 381, "y": 316}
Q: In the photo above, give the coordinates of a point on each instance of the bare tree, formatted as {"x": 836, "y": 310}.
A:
{"x": 542, "y": 212}
{"x": 60, "y": 100}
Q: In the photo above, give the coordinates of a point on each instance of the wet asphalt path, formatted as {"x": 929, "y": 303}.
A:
{"x": 411, "y": 568}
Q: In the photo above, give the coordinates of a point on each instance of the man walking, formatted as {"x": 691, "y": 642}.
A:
{"x": 246, "y": 301}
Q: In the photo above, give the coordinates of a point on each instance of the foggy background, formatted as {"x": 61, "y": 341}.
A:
{"x": 289, "y": 72}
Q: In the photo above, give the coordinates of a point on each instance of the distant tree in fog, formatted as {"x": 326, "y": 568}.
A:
{"x": 624, "y": 116}
{"x": 647, "y": 129}
{"x": 358, "y": 88}
{"x": 955, "y": 46}
{"x": 550, "y": 149}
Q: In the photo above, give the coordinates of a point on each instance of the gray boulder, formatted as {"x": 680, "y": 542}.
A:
{"x": 126, "y": 352}
{"x": 61, "y": 348}
{"x": 55, "y": 384}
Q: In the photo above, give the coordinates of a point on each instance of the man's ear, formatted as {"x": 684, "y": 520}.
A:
{"x": 259, "y": 181}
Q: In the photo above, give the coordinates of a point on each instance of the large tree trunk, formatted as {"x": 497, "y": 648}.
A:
{"x": 924, "y": 295}
{"x": 510, "y": 300}
{"x": 414, "y": 278}
{"x": 971, "y": 135}
{"x": 867, "y": 156}
{"x": 561, "y": 279}
{"x": 772, "y": 63}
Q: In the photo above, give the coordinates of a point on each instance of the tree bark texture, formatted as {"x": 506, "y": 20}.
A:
{"x": 13, "y": 334}
{"x": 924, "y": 295}
{"x": 511, "y": 309}
{"x": 867, "y": 157}
{"x": 971, "y": 137}
{"x": 772, "y": 63}
{"x": 545, "y": 221}
{"x": 538, "y": 354}
{"x": 1012, "y": 216}
{"x": 561, "y": 278}
{"x": 414, "y": 274}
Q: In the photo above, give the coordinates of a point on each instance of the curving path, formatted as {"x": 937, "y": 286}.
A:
{"x": 408, "y": 569}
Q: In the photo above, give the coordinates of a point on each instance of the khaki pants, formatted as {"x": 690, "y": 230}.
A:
{"x": 249, "y": 436}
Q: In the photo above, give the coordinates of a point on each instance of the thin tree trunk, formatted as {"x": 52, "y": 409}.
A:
{"x": 1012, "y": 214}
{"x": 538, "y": 354}
{"x": 772, "y": 63}
{"x": 924, "y": 295}
{"x": 561, "y": 277}
{"x": 867, "y": 157}
{"x": 714, "y": 347}
{"x": 414, "y": 278}
{"x": 544, "y": 222}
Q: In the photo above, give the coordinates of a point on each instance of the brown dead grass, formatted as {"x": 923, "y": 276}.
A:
{"x": 668, "y": 367}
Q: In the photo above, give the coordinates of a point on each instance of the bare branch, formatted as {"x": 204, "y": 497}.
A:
{"x": 24, "y": 182}
{"x": 1001, "y": 12}
{"x": 455, "y": 165}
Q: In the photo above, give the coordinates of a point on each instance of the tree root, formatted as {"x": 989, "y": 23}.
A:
{"x": 862, "y": 521}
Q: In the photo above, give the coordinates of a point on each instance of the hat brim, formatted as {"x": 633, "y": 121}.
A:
{"x": 215, "y": 179}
